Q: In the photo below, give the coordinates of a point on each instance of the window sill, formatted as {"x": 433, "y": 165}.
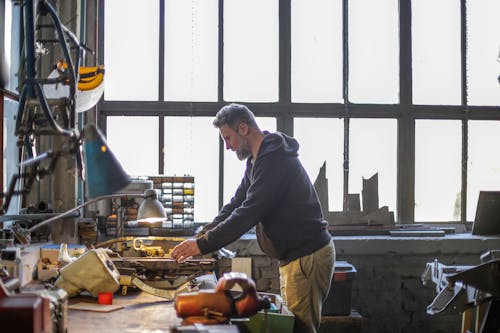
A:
{"x": 247, "y": 245}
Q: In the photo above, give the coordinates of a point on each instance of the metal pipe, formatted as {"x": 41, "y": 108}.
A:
{"x": 72, "y": 67}
{"x": 31, "y": 217}
{"x": 68, "y": 212}
{"x": 29, "y": 32}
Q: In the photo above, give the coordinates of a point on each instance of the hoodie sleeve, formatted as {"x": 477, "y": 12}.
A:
{"x": 269, "y": 182}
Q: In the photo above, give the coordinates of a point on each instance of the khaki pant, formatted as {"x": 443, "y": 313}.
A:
{"x": 304, "y": 286}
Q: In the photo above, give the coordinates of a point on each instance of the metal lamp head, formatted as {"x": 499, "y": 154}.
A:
{"x": 151, "y": 210}
{"x": 104, "y": 173}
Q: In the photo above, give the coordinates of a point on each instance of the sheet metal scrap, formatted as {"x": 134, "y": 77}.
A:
{"x": 462, "y": 287}
{"x": 456, "y": 295}
{"x": 485, "y": 277}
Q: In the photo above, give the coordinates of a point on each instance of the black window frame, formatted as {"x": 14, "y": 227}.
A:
{"x": 405, "y": 112}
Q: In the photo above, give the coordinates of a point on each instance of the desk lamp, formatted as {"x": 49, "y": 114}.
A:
{"x": 151, "y": 210}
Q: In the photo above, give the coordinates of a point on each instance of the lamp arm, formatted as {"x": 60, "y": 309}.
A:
{"x": 66, "y": 213}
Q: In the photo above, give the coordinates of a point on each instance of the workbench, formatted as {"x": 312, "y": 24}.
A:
{"x": 140, "y": 312}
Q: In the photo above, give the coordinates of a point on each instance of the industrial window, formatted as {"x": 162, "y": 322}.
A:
{"x": 373, "y": 51}
{"x": 326, "y": 146}
{"x": 316, "y": 51}
{"x": 191, "y": 148}
{"x": 131, "y": 61}
{"x": 251, "y": 50}
{"x": 134, "y": 141}
{"x": 483, "y": 52}
{"x": 408, "y": 90}
{"x": 436, "y": 52}
{"x": 191, "y": 50}
{"x": 373, "y": 151}
{"x": 437, "y": 170}
{"x": 5, "y": 46}
{"x": 484, "y": 161}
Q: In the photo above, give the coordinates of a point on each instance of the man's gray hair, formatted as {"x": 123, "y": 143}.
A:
{"x": 234, "y": 114}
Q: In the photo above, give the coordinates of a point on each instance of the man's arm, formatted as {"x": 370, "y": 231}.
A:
{"x": 189, "y": 247}
{"x": 269, "y": 183}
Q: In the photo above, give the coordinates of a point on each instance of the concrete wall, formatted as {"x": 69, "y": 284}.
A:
{"x": 387, "y": 290}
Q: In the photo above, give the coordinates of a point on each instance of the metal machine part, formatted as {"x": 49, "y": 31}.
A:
{"x": 456, "y": 295}
{"x": 144, "y": 263}
{"x": 150, "y": 274}
{"x": 58, "y": 299}
{"x": 127, "y": 281}
{"x": 484, "y": 277}
{"x": 465, "y": 289}
{"x": 93, "y": 271}
{"x": 131, "y": 246}
{"x": 223, "y": 252}
{"x": 11, "y": 261}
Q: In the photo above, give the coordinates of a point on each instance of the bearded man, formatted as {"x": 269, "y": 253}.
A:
{"x": 277, "y": 197}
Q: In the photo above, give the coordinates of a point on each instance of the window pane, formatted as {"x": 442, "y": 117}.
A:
{"x": 316, "y": 51}
{"x": 323, "y": 144}
{"x": 192, "y": 148}
{"x": 5, "y": 44}
{"x": 438, "y": 159}
{"x": 436, "y": 52}
{"x": 234, "y": 168}
{"x": 373, "y": 149}
{"x": 134, "y": 141}
{"x": 251, "y": 50}
{"x": 6, "y": 39}
{"x": 191, "y": 35}
{"x": 484, "y": 162}
{"x": 373, "y": 51}
{"x": 131, "y": 44}
{"x": 483, "y": 48}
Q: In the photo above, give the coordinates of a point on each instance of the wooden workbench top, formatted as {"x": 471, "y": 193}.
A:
{"x": 139, "y": 312}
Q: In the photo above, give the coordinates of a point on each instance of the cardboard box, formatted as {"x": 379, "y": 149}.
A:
{"x": 46, "y": 271}
{"x": 338, "y": 301}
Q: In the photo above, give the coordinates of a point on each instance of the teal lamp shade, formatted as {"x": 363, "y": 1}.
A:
{"x": 151, "y": 210}
{"x": 104, "y": 174}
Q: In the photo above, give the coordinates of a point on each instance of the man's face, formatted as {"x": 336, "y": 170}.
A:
{"x": 236, "y": 141}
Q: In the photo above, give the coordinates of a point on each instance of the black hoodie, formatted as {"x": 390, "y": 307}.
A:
{"x": 277, "y": 194}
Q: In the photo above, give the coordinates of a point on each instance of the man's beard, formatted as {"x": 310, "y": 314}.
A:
{"x": 244, "y": 152}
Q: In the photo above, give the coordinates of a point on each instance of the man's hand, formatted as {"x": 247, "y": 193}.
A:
{"x": 185, "y": 250}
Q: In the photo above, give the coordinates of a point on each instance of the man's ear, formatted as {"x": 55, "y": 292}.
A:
{"x": 243, "y": 129}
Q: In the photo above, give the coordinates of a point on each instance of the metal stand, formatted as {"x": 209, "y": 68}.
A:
{"x": 36, "y": 114}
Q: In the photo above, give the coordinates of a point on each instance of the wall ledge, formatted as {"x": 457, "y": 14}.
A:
{"x": 455, "y": 244}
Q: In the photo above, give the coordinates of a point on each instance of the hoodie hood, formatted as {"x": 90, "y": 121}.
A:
{"x": 278, "y": 143}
